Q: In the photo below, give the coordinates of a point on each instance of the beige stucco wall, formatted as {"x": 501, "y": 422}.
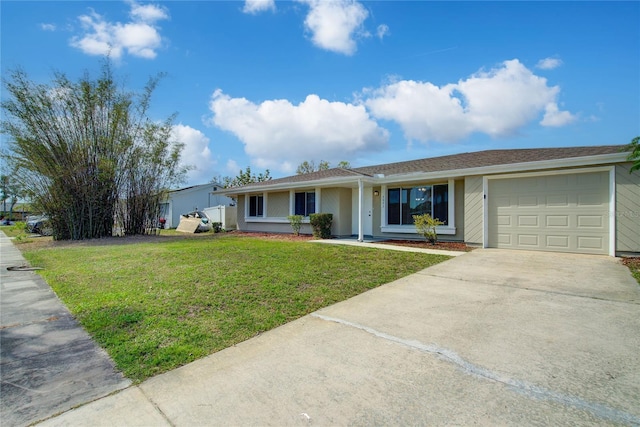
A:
{"x": 267, "y": 227}
{"x": 278, "y": 204}
{"x": 337, "y": 201}
{"x": 473, "y": 209}
{"x": 241, "y": 204}
{"x": 627, "y": 209}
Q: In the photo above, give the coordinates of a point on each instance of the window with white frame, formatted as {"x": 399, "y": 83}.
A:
{"x": 305, "y": 203}
{"x": 404, "y": 202}
{"x": 256, "y": 205}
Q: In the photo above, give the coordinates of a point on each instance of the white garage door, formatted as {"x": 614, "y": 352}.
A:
{"x": 566, "y": 213}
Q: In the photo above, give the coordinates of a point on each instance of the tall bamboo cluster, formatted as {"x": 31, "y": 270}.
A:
{"x": 88, "y": 154}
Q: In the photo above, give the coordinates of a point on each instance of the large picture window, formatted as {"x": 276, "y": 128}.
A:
{"x": 256, "y": 205}
{"x": 305, "y": 203}
{"x": 403, "y": 203}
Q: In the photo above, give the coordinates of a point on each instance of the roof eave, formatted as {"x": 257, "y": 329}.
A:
{"x": 450, "y": 173}
{"x": 325, "y": 182}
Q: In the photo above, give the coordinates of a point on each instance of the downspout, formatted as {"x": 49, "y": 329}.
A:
{"x": 360, "y": 210}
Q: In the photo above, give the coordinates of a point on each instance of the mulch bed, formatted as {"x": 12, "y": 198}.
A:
{"x": 446, "y": 246}
{"x": 632, "y": 262}
{"x": 271, "y": 236}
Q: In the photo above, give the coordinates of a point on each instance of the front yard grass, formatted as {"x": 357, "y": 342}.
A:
{"x": 158, "y": 305}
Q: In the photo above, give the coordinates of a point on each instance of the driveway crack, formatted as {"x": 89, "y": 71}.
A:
{"x": 524, "y": 388}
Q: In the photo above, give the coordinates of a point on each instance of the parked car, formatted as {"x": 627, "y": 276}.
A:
{"x": 205, "y": 221}
{"x": 39, "y": 225}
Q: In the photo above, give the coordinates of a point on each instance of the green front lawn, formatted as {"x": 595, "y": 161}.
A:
{"x": 157, "y": 305}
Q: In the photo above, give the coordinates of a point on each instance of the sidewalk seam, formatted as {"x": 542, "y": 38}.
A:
{"x": 155, "y": 405}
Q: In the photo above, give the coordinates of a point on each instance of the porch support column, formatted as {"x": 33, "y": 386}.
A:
{"x": 360, "y": 211}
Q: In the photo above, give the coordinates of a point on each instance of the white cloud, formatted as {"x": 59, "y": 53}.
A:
{"x": 280, "y": 135}
{"x": 497, "y": 103}
{"x": 196, "y": 153}
{"x": 256, "y": 6}
{"x": 148, "y": 13}
{"x": 140, "y": 37}
{"x": 382, "y": 31}
{"x": 549, "y": 63}
{"x": 555, "y": 118}
{"x": 233, "y": 167}
{"x": 334, "y": 24}
{"x": 47, "y": 27}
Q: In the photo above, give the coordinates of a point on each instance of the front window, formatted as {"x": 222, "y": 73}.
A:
{"x": 305, "y": 203}
{"x": 256, "y": 205}
{"x": 403, "y": 203}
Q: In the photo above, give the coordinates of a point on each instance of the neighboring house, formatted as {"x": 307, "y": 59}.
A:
{"x": 570, "y": 199}
{"x": 189, "y": 199}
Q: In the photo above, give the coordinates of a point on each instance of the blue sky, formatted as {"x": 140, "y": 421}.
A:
{"x": 271, "y": 84}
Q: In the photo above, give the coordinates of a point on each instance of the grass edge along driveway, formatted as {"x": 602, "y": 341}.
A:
{"x": 155, "y": 306}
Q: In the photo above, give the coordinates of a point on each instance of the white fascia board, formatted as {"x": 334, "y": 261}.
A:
{"x": 509, "y": 168}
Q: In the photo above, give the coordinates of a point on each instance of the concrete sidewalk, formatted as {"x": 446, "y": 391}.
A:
{"x": 48, "y": 363}
{"x": 375, "y": 245}
{"x": 492, "y": 338}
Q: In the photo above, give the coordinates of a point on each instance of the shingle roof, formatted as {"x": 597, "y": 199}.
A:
{"x": 452, "y": 162}
{"x": 488, "y": 158}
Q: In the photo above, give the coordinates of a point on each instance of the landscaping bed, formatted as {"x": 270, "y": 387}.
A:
{"x": 446, "y": 246}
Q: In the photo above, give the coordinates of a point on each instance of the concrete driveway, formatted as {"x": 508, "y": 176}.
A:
{"x": 493, "y": 337}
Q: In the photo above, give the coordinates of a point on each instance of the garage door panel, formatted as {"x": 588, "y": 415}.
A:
{"x": 557, "y": 221}
{"x": 594, "y": 180}
{"x": 558, "y": 242}
{"x": 503, "y": 202}
{"x": 590, "y": 199}
{"x": 504, "y": 239}
{"x": 528, "y": 201}
{"x": 590, "y": 221}
{"x": 504, "y": 220}
{"x": 589, "y": 242}
{"x": 527, "y": 220}
{"x": 557, "y": 200}
{"x": 557, "y": 182}
{"x": 567, "y": 213}
{"x": 528, "y": 240}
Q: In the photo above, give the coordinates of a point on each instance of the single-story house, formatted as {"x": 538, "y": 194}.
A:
{"x": 189, "y": 199}
{"x": 568, "y": 199}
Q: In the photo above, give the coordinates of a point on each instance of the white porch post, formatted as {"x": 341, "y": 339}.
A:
{"x": 292, "y": 196}
{"x": 360, "y": 210}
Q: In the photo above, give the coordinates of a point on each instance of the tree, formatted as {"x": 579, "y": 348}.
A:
{"x": 88, "y": 154}
{"x": 310, "y": 166}
{"x": 244, "y": 178}
{"x": 634, "y": 156}
{"x": 11, "y": 190}
{"x": 426, "y": 226}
